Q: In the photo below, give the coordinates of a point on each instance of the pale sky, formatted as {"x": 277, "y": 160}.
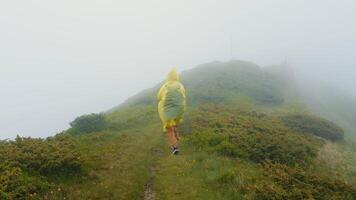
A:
{"x": 62, "y": 59}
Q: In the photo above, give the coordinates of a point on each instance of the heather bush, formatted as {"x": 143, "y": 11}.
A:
{"x": 315, "y": 126}
{"x": 28, "y": 165}
{"x": 296, "y": 184}
{"x": 88, "y": 124}
{"x": 250, "y": 135}
{"x": 16, "y": 184}
{"x": 51, "y": 156}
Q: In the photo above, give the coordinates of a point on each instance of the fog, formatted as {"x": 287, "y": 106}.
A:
{"x": 61, "y": 59}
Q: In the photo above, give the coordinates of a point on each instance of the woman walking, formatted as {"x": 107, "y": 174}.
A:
{"x": 171, "y": 108}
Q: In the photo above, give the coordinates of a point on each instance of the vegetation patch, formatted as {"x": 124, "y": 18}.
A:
{"x": 51, "y": 156}
{"x": 296, "y": 183}
{"x": 16, "y": 184}
{"x": 28, "y": 164}
{"x": 88, "y": 124}
{"x": 250, "y": 135}
{"x": 315, "y": 126}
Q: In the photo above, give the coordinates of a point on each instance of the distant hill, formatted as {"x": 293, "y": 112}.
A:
{"x": 220, "y": 82}
{"x": 249, "y": 85}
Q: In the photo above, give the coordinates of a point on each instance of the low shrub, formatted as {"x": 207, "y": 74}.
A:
{"x": 297, "y": 184}
{"x": 314, "y": 125}
{"x": 28, "y": 165}
{"x": 250, "y": 135}
{"x": 15, "y": 184}
{"x": 88, "y": 124}
{"x": 44, "y": 156}
{"x": 213, "y": 142}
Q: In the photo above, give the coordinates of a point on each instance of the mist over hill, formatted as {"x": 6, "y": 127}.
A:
{"x": 220, "y": 81}
{"x": 250, "y": 132}
{"x": 330, "y": 102}
{"x": 249, "y": 85}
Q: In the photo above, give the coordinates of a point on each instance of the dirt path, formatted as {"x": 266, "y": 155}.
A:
{"x": 149, "y": 193}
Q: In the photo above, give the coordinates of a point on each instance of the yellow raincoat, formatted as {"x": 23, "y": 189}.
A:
{"x": 172, "y": 101}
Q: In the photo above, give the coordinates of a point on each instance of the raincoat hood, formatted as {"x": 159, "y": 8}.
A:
{"x": 173, "y": 75}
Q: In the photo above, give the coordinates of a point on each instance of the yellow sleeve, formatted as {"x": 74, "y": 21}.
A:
{"x": 160, "y": 92}
{"x": 182, "y": 90}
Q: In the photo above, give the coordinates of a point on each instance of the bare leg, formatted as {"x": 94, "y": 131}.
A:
{"x": 172, "y": 139}
{"x": 176, "y": 133}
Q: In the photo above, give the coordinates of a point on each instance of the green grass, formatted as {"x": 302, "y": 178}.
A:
{"x": 202, "y": 175}
{"x": 118, "y": 165}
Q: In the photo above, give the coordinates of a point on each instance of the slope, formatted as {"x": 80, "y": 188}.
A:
{"x": 246, "y": 136}
{"x": 222, "y": 160}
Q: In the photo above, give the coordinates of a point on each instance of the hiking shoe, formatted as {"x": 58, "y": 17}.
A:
{"x": 175, "y": 150}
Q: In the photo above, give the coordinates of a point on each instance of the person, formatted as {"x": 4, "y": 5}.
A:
{"x": 171, "y": 108}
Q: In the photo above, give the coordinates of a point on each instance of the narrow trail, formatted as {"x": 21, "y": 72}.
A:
{"x": 149, "y": 193}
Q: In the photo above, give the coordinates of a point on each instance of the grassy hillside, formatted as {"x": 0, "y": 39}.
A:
{"x": 246, "y": 135}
